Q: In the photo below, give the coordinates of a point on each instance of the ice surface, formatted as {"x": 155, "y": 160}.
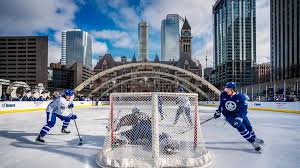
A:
{"x": 281, "y": 132}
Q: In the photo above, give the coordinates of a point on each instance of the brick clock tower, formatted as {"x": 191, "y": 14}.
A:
{"x": 186, "y": 40}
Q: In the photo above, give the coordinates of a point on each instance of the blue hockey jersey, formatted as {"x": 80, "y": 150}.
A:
{"x": 235, "y": 106}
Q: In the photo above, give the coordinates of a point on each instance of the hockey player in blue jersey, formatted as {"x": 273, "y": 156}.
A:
{"x": 57, "y": 108}
{"x": 234, "y": 107}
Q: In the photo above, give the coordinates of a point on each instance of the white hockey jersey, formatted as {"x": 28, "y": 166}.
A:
{"x": 183, "y": 101}
{"x": 59, "y": 106}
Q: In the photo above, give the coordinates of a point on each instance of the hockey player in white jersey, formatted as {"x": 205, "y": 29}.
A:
{"x": 57, "y": 108}
{"x": 184, "y": 107}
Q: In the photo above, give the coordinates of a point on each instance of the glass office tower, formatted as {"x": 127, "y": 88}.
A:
{"x": 285, "y": 39}
{"x": 234, "y": 41}
{"x": 76, "y": 47}
{"x": 170, "y": 36}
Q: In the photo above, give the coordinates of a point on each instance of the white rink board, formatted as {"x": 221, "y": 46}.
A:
{"x": 280, "y": 106}
{"x": 19, "y": 106}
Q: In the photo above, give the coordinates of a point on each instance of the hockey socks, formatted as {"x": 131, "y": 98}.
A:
{"x": 45, "y": 130}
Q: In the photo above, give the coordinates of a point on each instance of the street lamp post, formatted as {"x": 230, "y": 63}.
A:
{"x": 274, "y": 90}
{"x": 297, "y": 88}
{"x": 259, "y": 92}
{"x": 266, "y": 92}
{"x": 284, "y": 90}
{"x": 252, "y": 92}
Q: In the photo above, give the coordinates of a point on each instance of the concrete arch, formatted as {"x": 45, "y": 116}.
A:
{"x": 151, "y": 72}
{"x": 144, "y": 64}
{"x": 136, "y": 78}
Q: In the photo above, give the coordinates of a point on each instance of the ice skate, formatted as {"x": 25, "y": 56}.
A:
{"x": 256, "y": 146}
{"x": 39, "y": 140}
{"x": 259, "y": 141}
{"x": 64, "y": 131}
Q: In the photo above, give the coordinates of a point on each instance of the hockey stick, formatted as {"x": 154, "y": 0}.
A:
{"x": 207, "y": 120}
{"x": 80, "y": 143}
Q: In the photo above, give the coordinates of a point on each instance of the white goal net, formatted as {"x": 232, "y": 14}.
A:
{"x": 154, "y": 130}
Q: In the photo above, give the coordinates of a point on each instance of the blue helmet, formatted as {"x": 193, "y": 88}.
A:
{"x": 180, "y": 89}
{"x": 231, "y": 85}
{"x": 69, "y": 92}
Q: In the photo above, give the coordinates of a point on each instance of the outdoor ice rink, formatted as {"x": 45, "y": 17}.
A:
{"x": 281, "y": 132}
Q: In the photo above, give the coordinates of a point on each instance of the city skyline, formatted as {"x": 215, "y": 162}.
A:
{"x": 105, "y": 20}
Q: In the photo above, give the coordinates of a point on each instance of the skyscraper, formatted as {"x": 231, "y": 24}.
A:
{"x": 143, "y": 41}
{"x": 63, "y": 59}
{"x": 234, "y": 41}
{"x": 170, "y": 35}
{"x": 285, "y": 39}
{"x": 76, "y": 46}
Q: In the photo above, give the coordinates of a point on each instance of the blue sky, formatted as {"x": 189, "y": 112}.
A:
{"x": 114, "y": 24}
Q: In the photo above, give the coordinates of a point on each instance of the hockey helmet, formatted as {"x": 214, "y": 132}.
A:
{"x": 69, "y": 92}
{"x": 231, "y": 85}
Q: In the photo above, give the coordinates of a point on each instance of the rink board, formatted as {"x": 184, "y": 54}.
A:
{"x": 29, "y": 106}
{"x": 287, "y": 107}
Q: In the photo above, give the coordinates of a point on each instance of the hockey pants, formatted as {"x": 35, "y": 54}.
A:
{"x": 51, "y": 120}
{"x": 244, "y": 127}
{"x": 187, "y": 112}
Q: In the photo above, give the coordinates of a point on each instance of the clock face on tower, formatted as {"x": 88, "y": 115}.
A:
{"x": 186, "y": 33}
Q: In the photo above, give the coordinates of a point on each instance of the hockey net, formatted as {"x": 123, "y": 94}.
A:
{"x": 153, "y": 130}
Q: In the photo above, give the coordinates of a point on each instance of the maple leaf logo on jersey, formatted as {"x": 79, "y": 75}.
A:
{"x": 230, "y": 106}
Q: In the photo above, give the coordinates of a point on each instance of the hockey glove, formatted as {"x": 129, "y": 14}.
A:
{"x": 217, "y": 114}
{"x": 71, "y": 105}
{"x": 73, "y": 117}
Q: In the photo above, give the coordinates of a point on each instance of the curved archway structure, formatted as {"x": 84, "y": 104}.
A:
{"x": 154, "y": 73}
{"x": 136, "y": 78}
{"x": 145, "y": 64}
